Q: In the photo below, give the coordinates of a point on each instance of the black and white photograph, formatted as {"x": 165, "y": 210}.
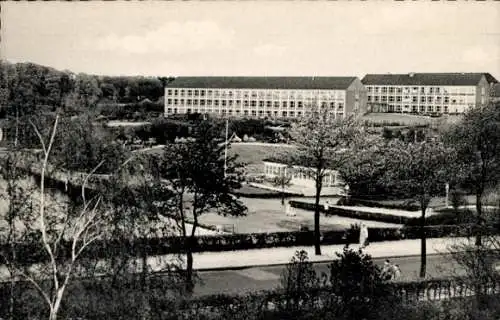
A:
{"x": 242, "y": 160}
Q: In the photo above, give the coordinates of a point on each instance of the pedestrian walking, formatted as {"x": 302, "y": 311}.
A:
{"x": 363, "y": 236}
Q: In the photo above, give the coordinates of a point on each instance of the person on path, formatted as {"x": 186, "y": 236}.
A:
{"x": 386, "y": 272}
{"x": 363, "y": 236}
{"x": 396, "y": 272}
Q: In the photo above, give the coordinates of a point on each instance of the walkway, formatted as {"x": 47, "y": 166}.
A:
{"x": 204, "y": 261}
{"x": 279, "y": 256}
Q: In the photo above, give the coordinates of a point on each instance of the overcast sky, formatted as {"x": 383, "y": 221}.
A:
{"x": 254, "y": 38}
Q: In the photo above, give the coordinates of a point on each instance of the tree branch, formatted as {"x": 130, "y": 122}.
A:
{"x": 42, "y": 197}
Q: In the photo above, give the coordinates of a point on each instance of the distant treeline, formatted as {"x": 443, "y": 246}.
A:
{"x": 27, "y": 88}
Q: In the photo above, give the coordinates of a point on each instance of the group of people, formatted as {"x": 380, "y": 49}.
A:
{"x": 390, "y": 271}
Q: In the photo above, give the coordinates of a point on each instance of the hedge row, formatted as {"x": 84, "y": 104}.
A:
{"x": 447, "y": 216}
{"x": 32, "y": 252}
{"x": 409, "y": 206}
{"x": 363, "y": 215}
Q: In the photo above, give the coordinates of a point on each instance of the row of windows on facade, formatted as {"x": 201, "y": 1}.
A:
{"x": 277, "y": 170}
{"x": 423, "y": 108}
{"x": 251, "y": 103}
{"x": 415, "y": 99}
{"x": 254, "y": 113}
{"x": 266, "y": 93}
{"x": 423, "y": 90}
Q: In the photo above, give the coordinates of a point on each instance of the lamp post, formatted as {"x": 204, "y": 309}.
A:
{"x": 447, "y": 188}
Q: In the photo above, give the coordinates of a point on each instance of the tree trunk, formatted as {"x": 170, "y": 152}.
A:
{"x": 189, "y": 273}
{"x": 11, "y": 298}
{"x": 53, "y": 314}
{"x": 146, "y": 310}
{"x": 479, "y": 216}
{"x": 317, "y": 235}
{"x": 423, "y": 245}
{"x": 189, "y": 267}
{"x": 54, "y": 311}
{"x": 283, "y": 196}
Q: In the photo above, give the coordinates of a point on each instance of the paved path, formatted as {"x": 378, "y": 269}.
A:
{"x": 267, "y": 278}
{"x": 280, "y": 256}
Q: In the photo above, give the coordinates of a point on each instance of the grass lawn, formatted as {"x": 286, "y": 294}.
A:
{"x": 253, "y": 154}
{"x": 267, "y": 215}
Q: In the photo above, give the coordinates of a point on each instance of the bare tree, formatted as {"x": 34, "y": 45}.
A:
{"x": 64, "y": 236}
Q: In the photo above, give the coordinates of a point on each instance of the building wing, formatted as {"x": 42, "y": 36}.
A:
{"x": 427, "y": 79}
{"x": 304, "y": 83}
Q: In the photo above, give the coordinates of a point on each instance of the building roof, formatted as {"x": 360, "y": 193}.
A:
{"x": 433, "y": 79}
{"x": 319, "y": 83}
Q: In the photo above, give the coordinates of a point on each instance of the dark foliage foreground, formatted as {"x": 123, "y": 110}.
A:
{"x": 354, "y": 289}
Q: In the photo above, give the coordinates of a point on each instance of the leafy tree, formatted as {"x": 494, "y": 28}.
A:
{"x": 359, "y": 284}
{"x": 196, "y": 171}
{"x": 419, "y": 171}
{"x": 479, "y": 263}
{"x": 321, "y": 140}
{"x": 476, "y": 139}
{"x": 365, "y": 168}
{"x": 82, "y": 144}
{"x": 85, "y": 94}
{"x": 138, "y": 203}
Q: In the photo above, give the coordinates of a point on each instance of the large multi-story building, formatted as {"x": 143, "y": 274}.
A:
{"x": 427, "y": 93}
{"x": 264, "y": 97}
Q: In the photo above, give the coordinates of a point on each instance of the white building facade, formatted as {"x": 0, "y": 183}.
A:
{"x": 303, "y": 182}
{"x": 264, "y": 97}
{"x": 428, "y": 93}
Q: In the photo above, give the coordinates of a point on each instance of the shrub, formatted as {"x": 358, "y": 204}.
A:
{"x": 357, "y": 281}
{"x": 299, "y": 274}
